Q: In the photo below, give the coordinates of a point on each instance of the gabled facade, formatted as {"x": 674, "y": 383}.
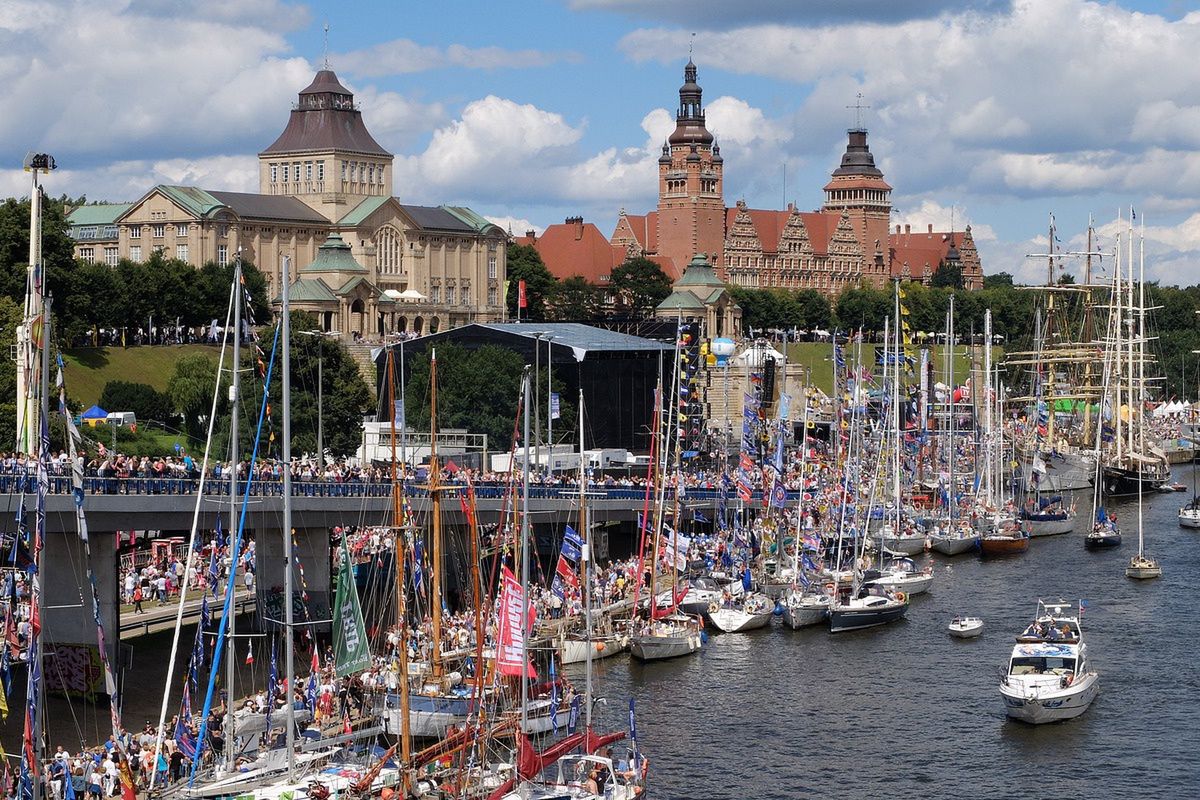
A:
{"x": 426, "y": 266}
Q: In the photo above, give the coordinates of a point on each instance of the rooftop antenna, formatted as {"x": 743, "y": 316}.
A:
{"x": 326, "y": 45}
{"x": 858, "y": 109}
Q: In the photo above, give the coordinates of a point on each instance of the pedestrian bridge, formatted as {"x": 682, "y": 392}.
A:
{"x": 168, "y": 504}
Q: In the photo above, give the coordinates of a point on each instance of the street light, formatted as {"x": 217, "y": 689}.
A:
{"x": 320, "y": 392}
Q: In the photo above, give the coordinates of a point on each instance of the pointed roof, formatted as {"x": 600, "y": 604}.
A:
{"x": 699, "y": 273}
{"x": 334, "y": 256}
{"x": 857, "y": 160}
{"x": 689, "y": 119}
{"x": 325, "y": 119}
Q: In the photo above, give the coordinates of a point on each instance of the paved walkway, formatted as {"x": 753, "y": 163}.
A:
{"x": 156, "y": 618}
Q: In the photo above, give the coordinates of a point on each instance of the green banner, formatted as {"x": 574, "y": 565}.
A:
{"x": 350, "y": 651}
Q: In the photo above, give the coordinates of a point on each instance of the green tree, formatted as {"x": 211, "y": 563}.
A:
{"x": 191, "y": 390}
{"x": 10, "y": 318}
{"x": 863, "y": 307}
{"x": 813, "y": 310}
{"x": 949, "y": 276}
{"x": 57, "y": 247}
{"x": 524, "y": 263}
{"x": 91, "y": 302}
{"x": 143, "y": 400}
{"x": 575, "y": 300}
{"x": 639, "y": 285}
{"x": 997, "y": 279}
{"x": 345, "y": 399}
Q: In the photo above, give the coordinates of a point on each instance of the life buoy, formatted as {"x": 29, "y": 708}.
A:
{"x": 901, "y": 596}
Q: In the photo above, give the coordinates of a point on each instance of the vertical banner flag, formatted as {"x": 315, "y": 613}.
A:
{"x": 513, "y": 620}
{"x": 522, "y": 300}
{"x": 350, "y": 651}
{"x": 554, "y": 407}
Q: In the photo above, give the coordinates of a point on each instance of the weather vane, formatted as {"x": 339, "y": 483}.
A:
{"x": 858, "y": 109}
{"x": 326, "y": 45}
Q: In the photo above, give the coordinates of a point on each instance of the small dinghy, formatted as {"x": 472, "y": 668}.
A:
{"x": 966, "y": 627}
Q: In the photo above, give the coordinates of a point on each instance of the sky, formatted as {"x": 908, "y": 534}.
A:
{"x": 993, "y": 113}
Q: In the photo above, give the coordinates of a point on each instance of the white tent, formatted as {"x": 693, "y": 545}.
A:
{"x": 756, "y": 354}
{"x": 411, "y": 295}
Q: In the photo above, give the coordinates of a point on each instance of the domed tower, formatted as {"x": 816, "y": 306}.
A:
{"x": 691, "y": 202}
{"x": 325, "y": 157}
{"x": 858, "y": 188}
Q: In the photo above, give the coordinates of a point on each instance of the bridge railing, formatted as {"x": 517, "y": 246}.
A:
{"x": 93, "y": 485}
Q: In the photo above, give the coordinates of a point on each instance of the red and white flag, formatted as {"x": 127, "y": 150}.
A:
{"x": 514, "y": 623}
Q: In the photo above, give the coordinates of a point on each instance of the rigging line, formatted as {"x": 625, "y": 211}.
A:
{"x": 187, "y": 575}
{"x": 231, "y": 584}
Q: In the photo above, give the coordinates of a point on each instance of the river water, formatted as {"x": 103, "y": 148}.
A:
{"x": 899, "y": 711}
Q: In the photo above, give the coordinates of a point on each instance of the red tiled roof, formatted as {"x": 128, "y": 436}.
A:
{"x": 920, "y": 248}
{"x": 769, "y": 225}
{"x": 645, "y": 229}
{"x": 570, "y": 249}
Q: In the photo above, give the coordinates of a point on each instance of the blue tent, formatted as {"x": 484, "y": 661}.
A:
{"x": 95, "y": 412}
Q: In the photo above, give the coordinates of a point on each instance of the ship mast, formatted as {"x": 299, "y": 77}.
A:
{"x": 398, "y": 555}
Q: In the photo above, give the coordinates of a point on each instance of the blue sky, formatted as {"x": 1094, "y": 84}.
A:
{"x": 992, "y": 112}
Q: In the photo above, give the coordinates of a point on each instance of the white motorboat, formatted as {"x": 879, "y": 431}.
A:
{"x": 966, "y": 627}
{"x": 804, "y": 607}
{"x": 704, "y": 590}
{"x": 902, "y": 575}
{"x": 1048, "y": 678}
{"x": 745, "y": 614}
{"x": 1189, "y": 515}
{"x": 580, "y": 777}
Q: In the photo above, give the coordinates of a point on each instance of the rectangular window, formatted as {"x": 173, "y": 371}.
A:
{"x": 135, "y": 231}
{"x": 158, "y": 231}
{"x": 492, "y": 266}
{"x": 371, "y": 174}
{"x": 222, "y": 254}
{"x": 285, "y": 173}
{"x": 181, "y": 229}
{"x": 343, "y": 170}
{"x": 111, "y": 256}
{"x": 466, "y": 295}
{"x": 308, "y": 170}
{"x": 222, "y": 231}
{"x": 491, "y": 295}
{"x": 435, "y": 294}
{"x": 274, "y": 173}
{"x": 320, "y": 170}
{"x": 110, "y": 232}
{"x": 380, "y": 173}
{"x": 88, "y": 254}
{"x": 449, "y": 295}
{"x": 181, "y": 252}
{"x": 296, "y": 171}
{"x": 135, "y": 253}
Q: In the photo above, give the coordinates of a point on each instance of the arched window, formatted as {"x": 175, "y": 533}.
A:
{"x": 389, "y": 250}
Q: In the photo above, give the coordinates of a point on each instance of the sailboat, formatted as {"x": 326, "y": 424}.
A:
{"x": 1104, "y": 532}
{"x": 804, "y": 602}
{"x": 1141, "y": 566}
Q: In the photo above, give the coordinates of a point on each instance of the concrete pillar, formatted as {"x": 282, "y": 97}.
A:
{"x": 69, "y": 643}
{"x": 312, "y": 549}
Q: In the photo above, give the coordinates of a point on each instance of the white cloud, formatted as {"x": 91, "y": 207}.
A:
{"x": 809, "y": 11}
{"x": 519, "y": 226}
{"x": 943, "y": 218}
{"x": 127, "y": 180}
{"x": 404, "y": 56}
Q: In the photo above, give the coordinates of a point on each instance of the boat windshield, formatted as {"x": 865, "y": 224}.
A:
{"x": 1042, "y": 665}
{"x": 578, "y": 770}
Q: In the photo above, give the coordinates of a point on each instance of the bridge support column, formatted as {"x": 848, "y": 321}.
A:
{"x": 312, "y": 551}
{"x": 70, "y": 646}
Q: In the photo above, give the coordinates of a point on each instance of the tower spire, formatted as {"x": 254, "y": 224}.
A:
{"x": 326, "y": 54}
{"x": 858, "y": 109}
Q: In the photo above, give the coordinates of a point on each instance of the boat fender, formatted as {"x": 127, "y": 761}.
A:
{"x": 901, "y": 596}
{"x": 703, "y": 637}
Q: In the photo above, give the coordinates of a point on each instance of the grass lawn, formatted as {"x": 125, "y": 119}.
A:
{"x": 88, "y": 369}
{"x": 818, "y": 357}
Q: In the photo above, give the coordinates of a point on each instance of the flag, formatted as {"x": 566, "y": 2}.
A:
{"x": 573, "y": 719}
{"x": 699, "y": 517}
{"x": 555, "y": 412}
{"x": 572, "y": 545}
{"x": 347, "y": 728}
{"x": 127, "y": 790}
{"x": 564, "y": 576}
{"x": 633, "y": 758}
{"x": 220, "y": 535}
{"x": 510, "y": 655}
{"x": 553, "y": 698}
{"x": 351, "y": 653}
{"x": 272, "y": 684}
{"x": 249, "y": 655}
{"x": 522, "y": 299}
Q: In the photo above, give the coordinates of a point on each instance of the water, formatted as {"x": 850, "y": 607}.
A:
{"x": 907, "y": 711}
{"x": 902, "y": 711}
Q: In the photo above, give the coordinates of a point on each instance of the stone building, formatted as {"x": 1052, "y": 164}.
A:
{"x": 325, "y": 191}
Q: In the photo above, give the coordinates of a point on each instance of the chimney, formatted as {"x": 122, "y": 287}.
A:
{"x": 791, "y": 207}
{"x": 531, "y": 235}
{"x": 931, "y": 228}
{"x": 907, "y": 229}
{"x": 897, "y": 228}
{"x": 578, "y": 223}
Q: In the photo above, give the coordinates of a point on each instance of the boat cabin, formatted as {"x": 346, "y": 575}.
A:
{"x": 1059, "y": 660}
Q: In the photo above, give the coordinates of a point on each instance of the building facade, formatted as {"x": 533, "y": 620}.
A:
{"x": 323, "y": 181}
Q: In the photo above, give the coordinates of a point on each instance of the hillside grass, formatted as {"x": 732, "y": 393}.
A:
{"x": 88, "y": 369}
{"x": 818, "y": 357}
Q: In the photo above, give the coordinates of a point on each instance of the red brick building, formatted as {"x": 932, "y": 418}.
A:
{"x": 846, "y": 242}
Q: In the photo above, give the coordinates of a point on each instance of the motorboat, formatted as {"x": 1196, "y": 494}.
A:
{"x": 965, "y": 627}
{"x": 804, "y": 607}
{"x": 902, "y": 575}
{"x": 580, "y": 777}
{"x": 1048, "y": 677}
{"x": 1142, "y": 567}
{"x": 852, "y": 611}
{"x": 670, "y": 637}
{"x": 746, "y": 613}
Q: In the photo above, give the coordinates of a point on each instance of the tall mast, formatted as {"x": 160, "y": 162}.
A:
{"x": 1141, "y": 355}
{"x": 288, "y": 618}
{"x": 585, "y": 555}
{"x": 950, "y": 445}
{"x": 234, "y": 400}
{"x": 398, "y": 556}
{"x": 987, "y": 399}
{"x": 435, "y": 496}
{"x": 523, "y": 549}
{"x": 1119, "y": 363}
{"x": 896, "y": 406}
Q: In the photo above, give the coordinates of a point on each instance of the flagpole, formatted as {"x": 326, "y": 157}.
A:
{"x": 524, "y": 550}
{"x": 234, "y": 399}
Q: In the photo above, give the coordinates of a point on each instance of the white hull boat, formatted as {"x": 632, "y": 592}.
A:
{"x": 1048, "y": 678}
{"x": 908, "y": 582}
{"x": 953, "y": 545}
{"x": 803, "y": 610}
{"x": 965, "y": 627}
{"x": 575, "y": 651}
{"x": 1189, "y": 516}
{"x": 1051, "y": 526}
{"x": 907, "y": 544}
{"x": 1143, "y": 567}
{"x": 670, "y": 638}
{"x": 754, "y": 611}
